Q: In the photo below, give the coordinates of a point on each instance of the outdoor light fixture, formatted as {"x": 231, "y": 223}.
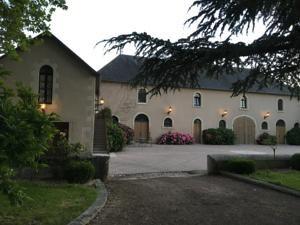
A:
{"x": 43, "y": 107}
{"x": 266, "y": 115}
{"x": 224, "y": 113}
{"x": 101, "y": 101}
{"x": 169, "y": 110}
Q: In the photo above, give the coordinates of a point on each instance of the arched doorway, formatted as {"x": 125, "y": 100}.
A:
{"x": 197, "y": 130}
{"x": 280, "y": 132}
{"x": 141, "y": 127}
{"x": 244, "y": 130}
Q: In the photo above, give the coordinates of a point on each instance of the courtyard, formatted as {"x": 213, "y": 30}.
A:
{"x": 135, "y": 159}
{"x": 205, "y": 200}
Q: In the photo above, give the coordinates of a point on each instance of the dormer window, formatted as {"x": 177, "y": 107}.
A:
{"x": 244, "y": 103}
{"x": 280, "y": 105}
{"x": 142, "y": 95}
{"x": 197, "y": 100}
{"x": 45, "y": 85}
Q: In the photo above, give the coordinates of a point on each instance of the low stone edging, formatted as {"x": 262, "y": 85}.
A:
{"x": 215, "y": 162}
{"x": 95, "y": 208}
{"x": 261, "y": 183}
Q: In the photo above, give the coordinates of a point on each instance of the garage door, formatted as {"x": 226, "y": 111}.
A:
{"x": 244, "y": 130}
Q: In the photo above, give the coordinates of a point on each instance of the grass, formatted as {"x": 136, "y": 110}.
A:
{"x": 48, "y": 204}
{"x": 289, "y": 178}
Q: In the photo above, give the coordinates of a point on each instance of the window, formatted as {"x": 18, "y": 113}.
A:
{"x": 264, "y": 126}
{"x": 296, "y": 125}
{"x": 63, "y": 128}
{"x": 142, "y": 95}
{"x": 168, "y": 122}
{"x": 222, "y": 124}
{"x": 280, "y": 105}
{"x": 243, "y": 103}
{"x": 45, "y": 84}
{"x": 115, "y": 119}
{"x": 197, "y": 100}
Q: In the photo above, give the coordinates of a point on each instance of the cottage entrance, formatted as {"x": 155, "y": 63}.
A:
{"x": 244, "y": 130}
{"x": 197, "y": 130}
{"x": 280, "y": 132}
{"x": 141, "y": 128}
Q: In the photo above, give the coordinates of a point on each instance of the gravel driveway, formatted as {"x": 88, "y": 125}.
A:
{"x": 166, "y": 158}
{"x": 203, "y": 200}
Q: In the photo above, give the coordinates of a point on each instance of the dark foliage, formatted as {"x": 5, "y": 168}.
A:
{"x": 240, "y": 166}
{"x": 218, "y": 136}
{"x": 272, "y": 58}
{"x": 295, "y": 161}
{"x": 79, "y": 171}
{"x": 129, "y": 133}
{"x": 116, "y": 137}
{"x": 293, "y": 136}
{"x": 266, "y": 139}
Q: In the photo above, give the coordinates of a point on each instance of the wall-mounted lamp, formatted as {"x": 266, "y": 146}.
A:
{"x": 224, "y": 113}
{"x": 43, "y": 107}
{"x": 101, "y": 101}
{"x": 170, "y": 109}
{"x": 266, "y": 115}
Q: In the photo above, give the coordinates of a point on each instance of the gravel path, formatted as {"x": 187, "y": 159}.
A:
{"x": 193, "y": 200}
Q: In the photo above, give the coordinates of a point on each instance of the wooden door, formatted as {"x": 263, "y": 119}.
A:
{"x": 280, "y": 132}
{"x": 244, "y": 130}
{"x": 197, "y": 133}
{"x": 141, "y": 128}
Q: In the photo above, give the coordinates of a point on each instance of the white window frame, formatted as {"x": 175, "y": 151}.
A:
{"x": 201, "y": 102}
{"x": 163, "y": 125}
{"x": 137, "y": 96}
{"x": 280, "y": 111}
{"x": 247, "y": 103}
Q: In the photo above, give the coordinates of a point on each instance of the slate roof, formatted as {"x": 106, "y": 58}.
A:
{"x": 125, "y": 67}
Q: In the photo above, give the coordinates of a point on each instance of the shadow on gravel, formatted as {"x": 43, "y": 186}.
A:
{"x": 191, "y": 200}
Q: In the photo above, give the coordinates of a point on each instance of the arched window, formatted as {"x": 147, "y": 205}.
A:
{"x": 168, "y": 122}
{"x": 222, "y": 124}
{"x": 244, "y": 103}
{"x": 264, "y": 125}
{"x": 296, "y": 125}
{"x": 45, "y": 84}
{"x": 280, "y": 105}
{"x": 142, "y": 95}
{"x": 197, "y": 100}
{"x": 115, "y": 119}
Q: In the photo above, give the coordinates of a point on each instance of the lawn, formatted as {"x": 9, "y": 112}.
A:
{"x": 289, "y": 178}
{"x": 49, "y": 204}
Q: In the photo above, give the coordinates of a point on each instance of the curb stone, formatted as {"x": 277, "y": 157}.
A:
{"x": 95, "y": 208}
{"x": 262, "y": 184}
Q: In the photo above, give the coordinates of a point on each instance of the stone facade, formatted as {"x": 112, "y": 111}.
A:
{"x": 73, "y": 97}
{"x": 123, "y": 102}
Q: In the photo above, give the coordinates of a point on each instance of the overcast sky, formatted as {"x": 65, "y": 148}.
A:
{"x": 89, "y": 21}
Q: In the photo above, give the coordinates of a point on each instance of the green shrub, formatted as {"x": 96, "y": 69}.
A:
{"x": 129, "y": 133}
{"x": 116, "y": 136}
{"x": 79, "y": 171}
{"x": 293, "y": 136}
{"x": 240, "y": 166}
{"x": 266, "y": 139}
{"x": 115, "y": 139}
{"x": 295, "y": 161}
{"x": 218, "y": 136}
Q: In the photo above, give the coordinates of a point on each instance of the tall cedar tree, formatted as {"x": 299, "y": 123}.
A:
{"x": 273, "y": 58}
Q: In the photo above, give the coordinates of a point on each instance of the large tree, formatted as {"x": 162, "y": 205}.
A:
{"x": 25, "y": 131}
{"x": 273, "y": 58}
{"x": 19, "y": 19}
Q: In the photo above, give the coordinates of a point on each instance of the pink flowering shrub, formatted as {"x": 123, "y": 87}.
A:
{"x": 175, "y": 138}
